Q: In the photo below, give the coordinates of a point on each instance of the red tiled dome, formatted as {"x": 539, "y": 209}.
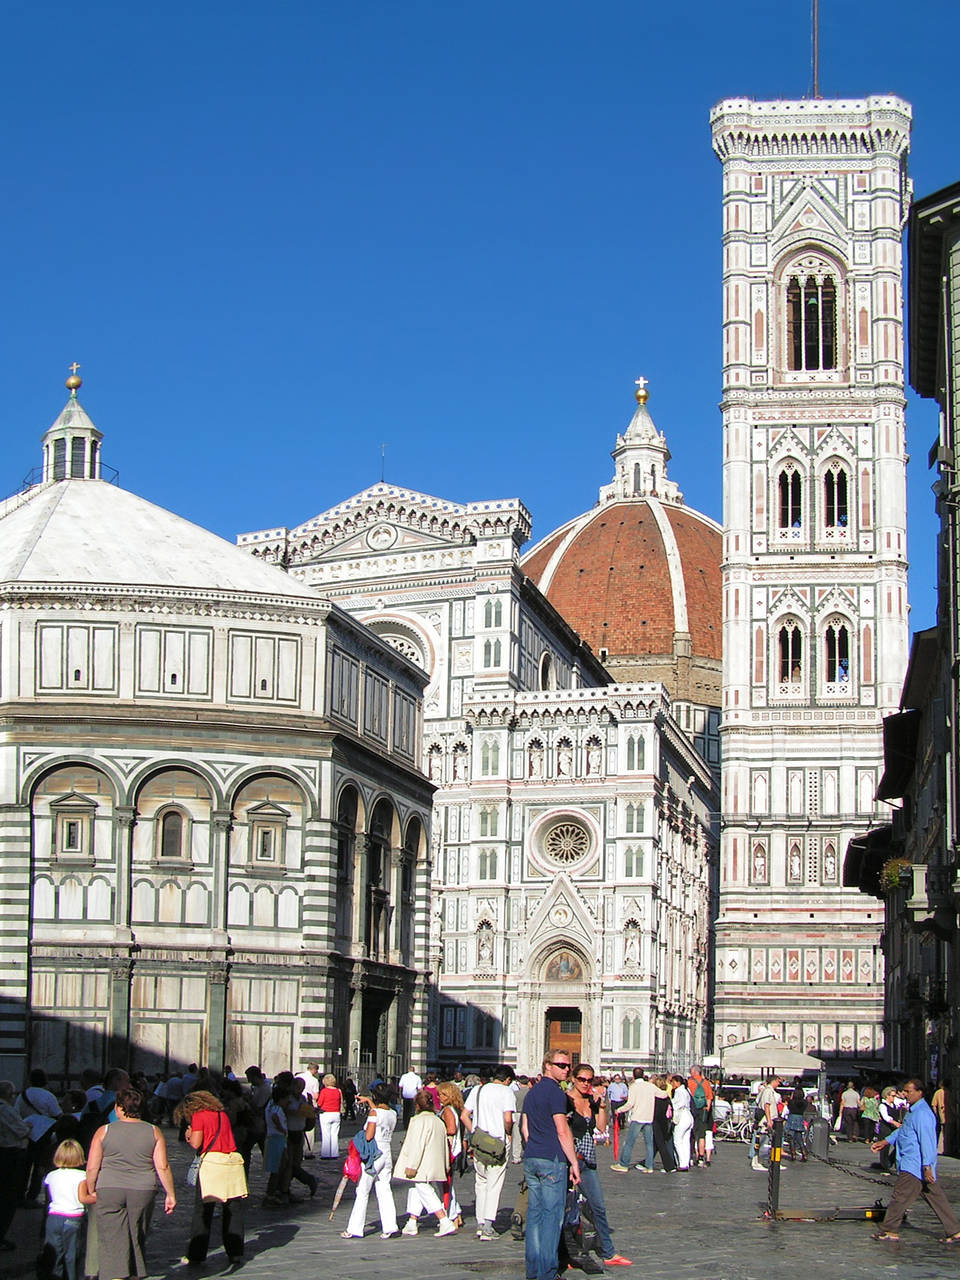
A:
{"x": 630, "y": 574}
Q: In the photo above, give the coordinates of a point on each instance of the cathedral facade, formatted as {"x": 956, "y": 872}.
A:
{"x": 574, "y": 821}
{"x": 814, "y": 558}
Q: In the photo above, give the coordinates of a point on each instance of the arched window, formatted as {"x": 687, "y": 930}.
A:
{"x": 836, "y": 504}
{"x": 836, "y": 652}
{"x": 633, "y": 863}
{"x": 631, "y": 1031}
{"x": 489, "y": 822}
{"x": 171, "y": 835}
{"x": 790, "y": 498}
{"x": 548, "y": 679}
{"x": 493, "y": 613}
{"x": 489, "y": 759}
{"x": 811, "y": 322}
{"x": 487, "y": 868}
{"x": 346, "y": 848}
{"x": 631, "y": 754}
{"x": 790, "y": 643}
{"x": 378, "y": 895}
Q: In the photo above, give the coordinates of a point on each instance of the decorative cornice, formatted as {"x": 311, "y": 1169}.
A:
{"x": 175, "y": 601}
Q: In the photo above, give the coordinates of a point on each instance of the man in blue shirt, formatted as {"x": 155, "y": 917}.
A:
{"x": 548, "y": 1151}
{"x": 916, "y": 1144}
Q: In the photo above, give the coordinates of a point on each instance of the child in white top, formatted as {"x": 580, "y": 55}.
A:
{"x": 67, "y": 1196}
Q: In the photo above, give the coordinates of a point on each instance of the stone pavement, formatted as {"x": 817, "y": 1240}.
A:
{"x": 706, "y": 1223}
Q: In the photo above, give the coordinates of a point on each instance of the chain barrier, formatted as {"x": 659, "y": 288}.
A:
{"x": 851, "y": 1173}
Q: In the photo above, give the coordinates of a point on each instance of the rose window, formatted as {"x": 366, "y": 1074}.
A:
{"x": 566, "y": 842}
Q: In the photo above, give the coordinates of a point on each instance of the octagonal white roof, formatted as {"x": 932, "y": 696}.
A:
{"x": 89, "y": 531}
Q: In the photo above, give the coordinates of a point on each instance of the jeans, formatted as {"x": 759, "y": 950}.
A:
{"x": 591, "y": 1188}
{"x": 547, "y": 1197}
{"x": 634, "y": 1129}
{"x": 61, "y": 1246}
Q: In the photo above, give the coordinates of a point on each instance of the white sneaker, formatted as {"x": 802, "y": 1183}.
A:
{"x": 447, "y": 1227}
{"x": 411, "y": 1228}
{"x": 758, "y": 1165}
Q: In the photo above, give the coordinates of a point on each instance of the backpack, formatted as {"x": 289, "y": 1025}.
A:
{"x": 699, "y": 1096}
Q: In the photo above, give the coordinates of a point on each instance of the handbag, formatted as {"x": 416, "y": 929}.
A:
{"x": 193, "y": 1169}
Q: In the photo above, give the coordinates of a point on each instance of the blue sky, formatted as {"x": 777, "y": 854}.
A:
{"x": 278, "y": 235}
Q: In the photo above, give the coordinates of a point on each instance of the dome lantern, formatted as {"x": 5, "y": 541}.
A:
{"x": 71, "y": 446}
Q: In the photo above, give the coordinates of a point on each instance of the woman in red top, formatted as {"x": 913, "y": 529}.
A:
{"x": 329, "y": 1104}
{"x": 220, "y": 1182}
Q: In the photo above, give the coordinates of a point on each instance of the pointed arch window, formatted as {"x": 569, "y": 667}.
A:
{"x": 489, "y": 759}
{"x": 633, "y": 864}
{"x": 489, "y": 822}
{"x": 790, "y": 498}
{"x": 493, "y": 613}
{"x": 492, "y": 651}
{"x": 836, "y": 501}
{"x": 790, "y": 658}
{"x": 487, "y": 868}
{"x": 811, "y": 322}
{"x": 836, "y": 653}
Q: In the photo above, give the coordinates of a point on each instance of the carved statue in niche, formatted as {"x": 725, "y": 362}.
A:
{"x": 759, "y": 863}
{"x": 631, "y": 946}
{"x": 485, "y": 947}
{"x": 564, "y": 966}
{"x": 795, "y": 865}
{"x": 594, "y": 757}
{"x": 830, "y": 863}
{"x": 459, "y": 765}
{"x": 535, "y": 768}
{"x": 435, "y": 765}
{"x": 564, "y": 761}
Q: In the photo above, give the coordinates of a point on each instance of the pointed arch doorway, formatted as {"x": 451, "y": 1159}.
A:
{"x": 564, "y": 1030}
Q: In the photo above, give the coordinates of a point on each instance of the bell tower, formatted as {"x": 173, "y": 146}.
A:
{"x": 814, "y": 570}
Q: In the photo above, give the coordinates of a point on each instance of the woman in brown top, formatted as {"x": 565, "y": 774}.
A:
{"x": 126, "y": 1159}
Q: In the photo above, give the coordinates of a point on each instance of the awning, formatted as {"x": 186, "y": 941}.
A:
{"x": 865, "y": 857}
{"x": 899, "y": 753}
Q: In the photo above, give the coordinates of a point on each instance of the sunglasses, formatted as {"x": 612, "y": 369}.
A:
{"x": 563, "y": 1066}
{"x": 584, "y": 1079}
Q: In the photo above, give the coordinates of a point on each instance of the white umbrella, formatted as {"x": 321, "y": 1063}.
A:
{"x": 767, "y": 1055}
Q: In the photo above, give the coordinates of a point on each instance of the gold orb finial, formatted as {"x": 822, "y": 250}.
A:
{"x": 641, "y": 395}
{"x": 73, "y": 383}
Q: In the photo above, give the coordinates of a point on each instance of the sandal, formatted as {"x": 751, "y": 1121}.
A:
{"x": 954, "y": 1239}
{"x": 888, "y": 1235}
{"x": 348, "y": 1235}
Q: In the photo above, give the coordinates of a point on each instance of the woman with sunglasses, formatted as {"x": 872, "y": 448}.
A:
{"x": 587, "y": 1111}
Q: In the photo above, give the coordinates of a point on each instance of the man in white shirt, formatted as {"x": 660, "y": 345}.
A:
{"x": 410, "y": 1085}
{"x": 768, "y": 1103}
{"x": 641, "y": 1097}
{"x": 310, "y": 1076}
{"x": 490, "y": 1107}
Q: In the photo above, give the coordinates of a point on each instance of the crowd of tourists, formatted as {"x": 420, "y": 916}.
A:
{"x": 95, "y": 1158}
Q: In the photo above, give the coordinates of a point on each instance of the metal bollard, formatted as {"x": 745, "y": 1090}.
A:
{"x": 773, "y": 1173}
